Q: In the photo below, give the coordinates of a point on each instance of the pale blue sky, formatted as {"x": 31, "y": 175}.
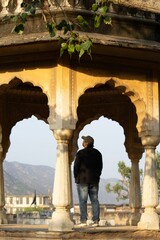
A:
{"x": 32, "y": 142}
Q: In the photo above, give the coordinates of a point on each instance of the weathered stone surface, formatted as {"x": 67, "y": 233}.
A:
{"x": 101, "y": 233}
{"x": 149, "y": 5}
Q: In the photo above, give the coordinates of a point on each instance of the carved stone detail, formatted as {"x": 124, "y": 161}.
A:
{"x": 149, "y": 5}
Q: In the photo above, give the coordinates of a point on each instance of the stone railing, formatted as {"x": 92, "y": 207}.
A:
{"x": 146, "y": 5}
{"x": 125, "y": 18}
{"x": 8, "y": 7}
{"x": 34, "y": 217}
{"x": 110, "y": 215}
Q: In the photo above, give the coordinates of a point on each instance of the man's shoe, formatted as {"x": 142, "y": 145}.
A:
{"x": 81, "y": 225}
{"x": 95, "y": 224}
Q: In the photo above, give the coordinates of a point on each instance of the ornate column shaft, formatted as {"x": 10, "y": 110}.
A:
{"x": 149, "y": 218}
{"x": 4, "y": 4}
{"x": 135, "y": 192}
{"x": 18, "y": 7}
{"x": 2, "y": 198}
{"x": 62, "y": 184}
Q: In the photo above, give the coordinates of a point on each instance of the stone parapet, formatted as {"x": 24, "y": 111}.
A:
{"x": 41, "y": 232}
{"x": 126, "y": 16}
{"x": 147, "y": 5}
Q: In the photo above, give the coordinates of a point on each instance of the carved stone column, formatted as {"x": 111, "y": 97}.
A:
{"x": 79, "y": 4}
{"x": 64, "y": 3}
{"x": 62, "y": 184}
{"x": 149, "y": 218}
{"x": 18, "y": 7}
{"x": 2, "y": 198}
{"x": 135, "y": 191}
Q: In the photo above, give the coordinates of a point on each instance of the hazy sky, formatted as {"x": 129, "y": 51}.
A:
{"x": 32, "y": 142}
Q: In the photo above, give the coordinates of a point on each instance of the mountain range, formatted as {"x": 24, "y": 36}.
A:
{"x": 24, "y": 179}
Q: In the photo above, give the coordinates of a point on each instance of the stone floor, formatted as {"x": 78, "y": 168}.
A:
{"x": 40, "y": 232}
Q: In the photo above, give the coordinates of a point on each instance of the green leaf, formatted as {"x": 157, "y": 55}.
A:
{"x": 107, "y": 20}
{"x": 24, "y": 17}
{"x": 61, "y": 51}
{"x": 51, "y": 29}
{"x": 80, "y": 18}
{"x": 86, "y": 45}
{"x": 71, "y": 48}
{"x": 103, "y": 10}
{"x": 19, "y": 29}
{"x": 85, "y": 24}
{"x": 82, "y": 21}
{"x": 78, "y": 47}
{"x": 27, "y": 8}
{"x": 15, "y": 18}
{"x": 61, "y": 24}
{"x": 94, "y": 7}
{"x": 97, "y": 21}
{"x": 72, "y": 39}
{"x": 64, "y": 45}
{"x": 66, "y": 27}
{"x": 81, "y": 52}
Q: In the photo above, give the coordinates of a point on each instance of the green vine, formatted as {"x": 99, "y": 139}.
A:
{"x": 70, "y": 39}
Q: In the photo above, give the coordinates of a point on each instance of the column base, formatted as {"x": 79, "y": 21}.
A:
{"x": 60, "y": 221}
{"x": 149, "y": 220}
{"x": 135, "y": 218}
{"x": 3, "y": 217}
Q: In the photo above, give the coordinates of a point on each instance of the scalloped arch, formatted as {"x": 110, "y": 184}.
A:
{"x": 14, "y": 83}
{"x": 16, "y": 80}
{"x": 123, "y": 88}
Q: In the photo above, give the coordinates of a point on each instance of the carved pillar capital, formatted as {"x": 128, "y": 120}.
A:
{"x": 151, "y": 141}
{"x": 62, "y": 135}
{"x": 135, "y": 156}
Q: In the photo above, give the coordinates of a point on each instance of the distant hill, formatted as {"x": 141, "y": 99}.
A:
{"x": 23, "y": 179}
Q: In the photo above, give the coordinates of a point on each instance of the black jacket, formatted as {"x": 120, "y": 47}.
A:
{"x": 88, "y": 166}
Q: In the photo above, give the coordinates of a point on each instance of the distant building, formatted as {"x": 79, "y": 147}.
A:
{"x": 16, "y": 203}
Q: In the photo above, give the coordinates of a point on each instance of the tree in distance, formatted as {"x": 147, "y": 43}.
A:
{"x": 122, "y": 186}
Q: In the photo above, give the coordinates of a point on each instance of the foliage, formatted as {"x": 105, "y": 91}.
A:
{"x": 33, "y": 209}
{"x": 65, "y": 30}
{"x": 121, "y": 188}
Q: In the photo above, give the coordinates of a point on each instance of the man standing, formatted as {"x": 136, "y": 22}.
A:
{"x": 87, "y": 170}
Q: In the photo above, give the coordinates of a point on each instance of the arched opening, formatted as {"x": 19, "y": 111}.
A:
{"x": 110, "y": 102}
{"x": 109, "y": 140}
{"x": 32, "y": 142}
{"x": 21, "y": 101}
{"x": 31, "y": 155}
{"x": 18, "y": 101}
